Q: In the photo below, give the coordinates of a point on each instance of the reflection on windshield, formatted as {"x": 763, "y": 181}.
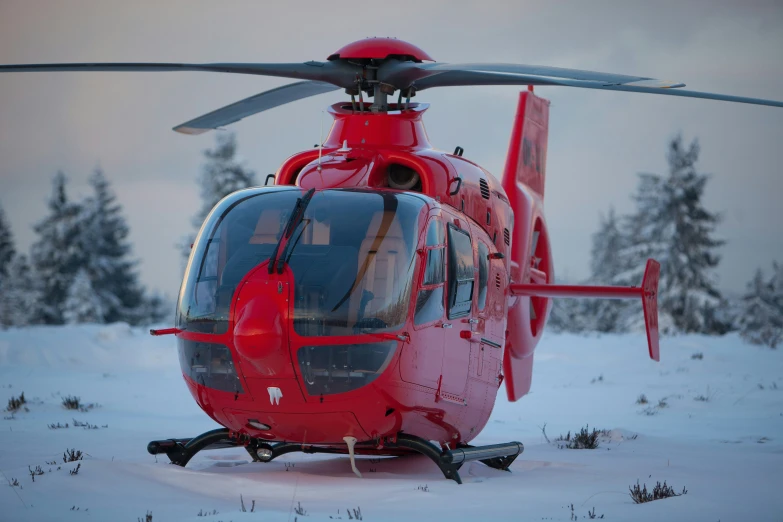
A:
{"x": 221, "y": 254}
{"x": 352, "y": 256}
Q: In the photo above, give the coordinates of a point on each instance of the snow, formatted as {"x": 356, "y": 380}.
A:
{"x": 727, "y": 451}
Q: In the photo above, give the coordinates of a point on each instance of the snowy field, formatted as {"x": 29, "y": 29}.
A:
{"x": 726, "y": 450}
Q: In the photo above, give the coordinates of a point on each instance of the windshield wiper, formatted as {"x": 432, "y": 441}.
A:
{"x": 297, "y": 214}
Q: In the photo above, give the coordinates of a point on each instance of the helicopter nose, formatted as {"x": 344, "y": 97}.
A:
{"x": 261, "y": 325}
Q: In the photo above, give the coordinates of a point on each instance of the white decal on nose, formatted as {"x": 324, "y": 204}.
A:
{"x": 274, "y": 395}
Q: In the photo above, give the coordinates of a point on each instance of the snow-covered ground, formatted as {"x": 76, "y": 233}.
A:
{"x": 727, "y": 451}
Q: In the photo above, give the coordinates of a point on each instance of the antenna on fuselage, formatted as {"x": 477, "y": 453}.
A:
{"x": 321, "y": 142}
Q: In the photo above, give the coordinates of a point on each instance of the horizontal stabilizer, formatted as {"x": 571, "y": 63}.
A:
{"x": 648, "y": 292}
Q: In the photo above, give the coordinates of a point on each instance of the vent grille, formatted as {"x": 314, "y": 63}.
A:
{"x": 484, "y": 188}
{"x": 497, "y": 281}
{"x": 506, "y": 236}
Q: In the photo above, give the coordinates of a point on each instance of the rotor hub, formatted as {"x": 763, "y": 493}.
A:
{"x": 379, "y": 49}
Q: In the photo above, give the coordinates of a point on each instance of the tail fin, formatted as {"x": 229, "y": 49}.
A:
{"x": 523, "y": 182}
{"x": 526, "y": 159}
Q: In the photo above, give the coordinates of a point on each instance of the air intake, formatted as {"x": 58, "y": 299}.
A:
{"x": 484, "y": 188}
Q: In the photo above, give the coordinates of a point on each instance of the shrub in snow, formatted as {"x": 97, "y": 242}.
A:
{"x": 761, "y": 320}
{"x": 584, "y": 439}
{"x": 37, "y": 472}
{"x": 14, "y": 403}
{"x": 72, "y": 455}
{"x": 71, "y": 403}
{"x": 640, "y": 495}
{"x": 642, "y": 399}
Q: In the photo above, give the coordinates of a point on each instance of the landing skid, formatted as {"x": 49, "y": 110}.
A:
{"x": 497, "y": 456}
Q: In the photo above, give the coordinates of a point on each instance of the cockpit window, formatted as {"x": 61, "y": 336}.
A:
{"x": 353, "y": 262}
{"x": 352, "y": 256}
{"x": 222, "y": 256}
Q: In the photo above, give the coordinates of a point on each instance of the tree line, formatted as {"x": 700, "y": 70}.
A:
{"x": 671, "y": 224}
{"x": 80, "y": 269}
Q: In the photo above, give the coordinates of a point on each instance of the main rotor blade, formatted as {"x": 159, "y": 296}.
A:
{"x": 430, "y": 69}
{"x": 255, "y": 104}
{"x": 648, "y": 86}
{"x": 337, "y": 73}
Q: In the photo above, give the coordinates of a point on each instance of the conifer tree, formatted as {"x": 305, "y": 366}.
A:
{"x": 761, "y": 321}
{"x": 223, "y": 173}
{"x": 104, "y": 242}
{"x": 7, "y": 250}
{"x": 82, "y": 303}
{"x": 56, "y": 255}
{"x": 605, "y": 266}
{"x": 672, "y": 226}
{"x": 19, "y": 294}
{"x": 577, "y": 315}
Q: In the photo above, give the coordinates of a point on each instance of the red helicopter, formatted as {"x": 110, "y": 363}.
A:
{"x": 374, "y": 297}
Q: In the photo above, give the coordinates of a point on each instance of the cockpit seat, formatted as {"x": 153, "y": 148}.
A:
{"x": 385, "y": 257}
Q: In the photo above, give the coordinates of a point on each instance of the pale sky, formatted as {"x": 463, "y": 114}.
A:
{"x": 598, "y": 141}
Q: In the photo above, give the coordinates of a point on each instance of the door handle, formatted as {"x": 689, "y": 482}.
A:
{"x": 446, "y": 325}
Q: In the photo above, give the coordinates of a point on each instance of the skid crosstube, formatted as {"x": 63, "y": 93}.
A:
{"x": 449, "y": 461}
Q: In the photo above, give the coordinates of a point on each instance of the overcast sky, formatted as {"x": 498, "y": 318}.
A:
{"x": 598, "y": 141}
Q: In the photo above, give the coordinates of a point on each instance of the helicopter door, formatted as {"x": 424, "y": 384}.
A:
{"x": 486, "y": 355}
{"x": 422, "y": 358}
{"x": 459, "y": 304}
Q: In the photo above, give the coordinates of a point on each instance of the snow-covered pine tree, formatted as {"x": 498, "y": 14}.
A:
{"x": 82, "y": 303}
{"x": 7, "y": 250}
{"x": 223, "y": 173}
{"x": 7, "y": 253}
{"x": 672, "y": 226}
{"x": 604, "y": 267}
{"x": 570, "y": 315}
{"x": 56, "y": 255}
{"x": 157, "y": 308}
{"x": 104, "y": 240}
{"x": 761, "y": 321}
{"x": 19, "y": 295}
{"x": 577, "y": 315}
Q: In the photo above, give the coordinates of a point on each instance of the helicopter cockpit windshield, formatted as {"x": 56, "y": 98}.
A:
{"x": 352, "y": 256}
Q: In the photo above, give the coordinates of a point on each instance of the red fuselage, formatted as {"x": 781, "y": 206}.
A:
{"x": 427, "y": 289}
